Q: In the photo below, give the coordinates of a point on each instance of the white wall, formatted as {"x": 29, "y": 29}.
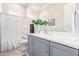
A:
{"x": 15, "y": 9}
{"x": 0, "y": 7}
{"x": 32, "y": 12}
{"x": 54, "y": 11}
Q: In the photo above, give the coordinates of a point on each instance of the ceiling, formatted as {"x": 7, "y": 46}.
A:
{"x": 23, "y": 4}
{"x": 39, "y": 4}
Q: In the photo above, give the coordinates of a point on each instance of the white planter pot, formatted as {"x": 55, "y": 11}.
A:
{"x": 37, "y": 28}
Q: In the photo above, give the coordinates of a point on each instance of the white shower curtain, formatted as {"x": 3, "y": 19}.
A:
{"x": 71, "y": 19}
{"x": 77, "y": 18}
{"x": 8, "y": 32}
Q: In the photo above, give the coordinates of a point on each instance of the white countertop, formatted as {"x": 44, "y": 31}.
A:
{"x": 69, "y": 39}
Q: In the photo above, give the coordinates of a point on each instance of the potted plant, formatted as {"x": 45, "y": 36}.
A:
{"x": 35, "y": 22}
{"x": 39, "y": 23}
{"x": 45, "y": 22}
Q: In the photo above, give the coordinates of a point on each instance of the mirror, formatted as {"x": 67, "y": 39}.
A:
{"x": 51, "y": 22}
{"x": 64, "y": 14}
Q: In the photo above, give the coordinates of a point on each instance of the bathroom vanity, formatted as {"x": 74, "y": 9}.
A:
{"x": 58, "y": 44}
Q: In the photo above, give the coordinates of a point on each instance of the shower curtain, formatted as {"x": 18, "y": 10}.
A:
{"x": 71, "y": 18}
{"x": 8, "y": 27}
{"x": 77, "y": 18}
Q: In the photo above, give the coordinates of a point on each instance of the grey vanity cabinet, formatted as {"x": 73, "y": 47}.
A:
{"x": 30, "y": 45}
{"x": 38, "y": 46}
{"x": 60, "y": 50}
{"x": 41, "y": 47}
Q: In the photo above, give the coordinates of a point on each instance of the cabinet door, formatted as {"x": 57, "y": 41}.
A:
{"x": 60, "y": 50}
{"x": 30, "y": 45}
{"x": 40, "y": 47}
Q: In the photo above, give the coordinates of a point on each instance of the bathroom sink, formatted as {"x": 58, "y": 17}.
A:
{"x": 77, "y": 40}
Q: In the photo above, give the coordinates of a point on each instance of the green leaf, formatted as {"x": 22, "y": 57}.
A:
{"x": 35, "y": 22}
{"x": 40, "y": 22}
{"x": 45, "y": 22}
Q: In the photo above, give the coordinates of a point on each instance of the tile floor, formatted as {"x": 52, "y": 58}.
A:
{"x": 20, "y": 51}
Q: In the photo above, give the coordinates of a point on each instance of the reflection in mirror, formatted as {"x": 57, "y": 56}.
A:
{"x": 51, "y": 22}
{"x": 71, "y": 17}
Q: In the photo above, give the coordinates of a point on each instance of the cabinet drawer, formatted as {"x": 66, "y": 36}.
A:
{"x": 64, "y": 48}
